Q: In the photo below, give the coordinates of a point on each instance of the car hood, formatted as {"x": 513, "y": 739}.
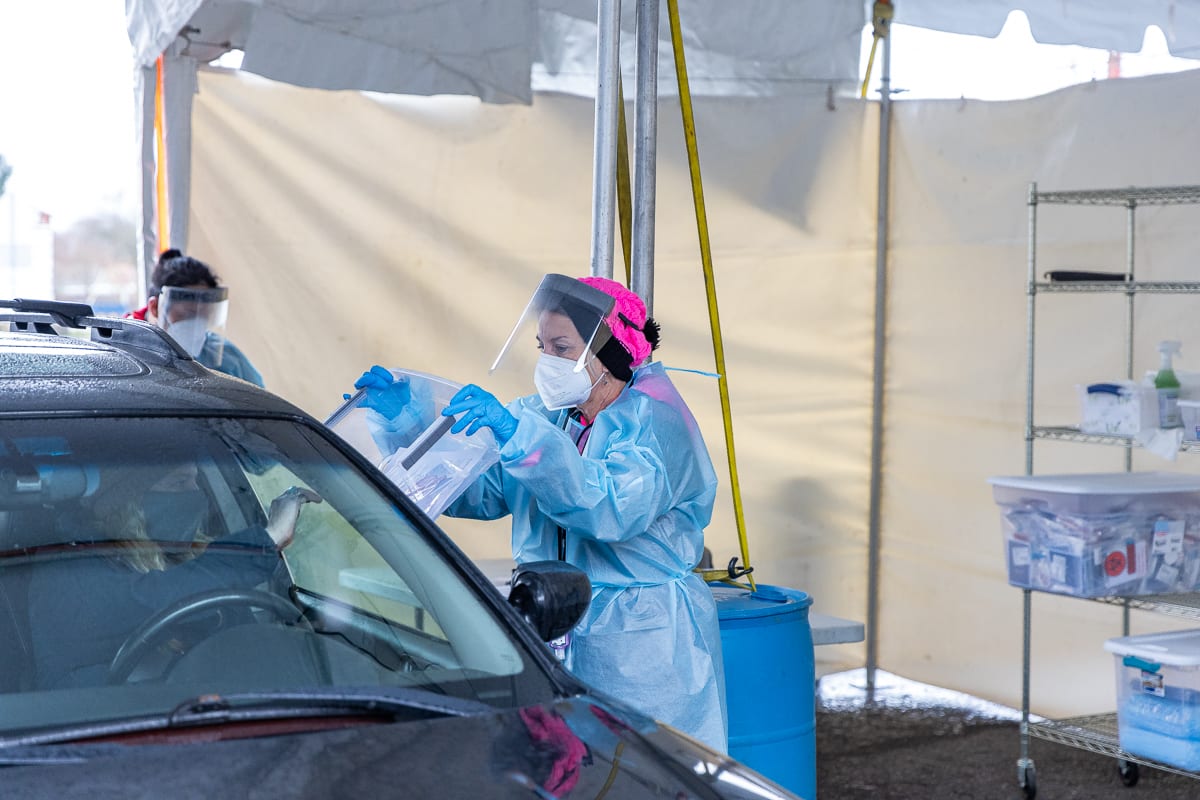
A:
{"x": 580, "y": 747}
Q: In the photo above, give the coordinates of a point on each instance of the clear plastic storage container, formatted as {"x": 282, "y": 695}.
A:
{"x": 415, "y": 448}
{"x": 1158, "y": 696}
{"x": 1101, "y": 534}
{"x": 1189, "y": 413}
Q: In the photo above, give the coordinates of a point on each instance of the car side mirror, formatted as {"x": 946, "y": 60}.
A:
{"x": 550, "y": 595}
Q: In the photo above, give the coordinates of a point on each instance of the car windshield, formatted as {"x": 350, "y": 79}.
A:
{"x": 137, "y": 573}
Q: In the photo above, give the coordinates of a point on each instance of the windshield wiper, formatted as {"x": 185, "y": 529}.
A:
{"x": 392, "y": 703}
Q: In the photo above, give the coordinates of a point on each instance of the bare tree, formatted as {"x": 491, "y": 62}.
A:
{"x": 5, "y": 171}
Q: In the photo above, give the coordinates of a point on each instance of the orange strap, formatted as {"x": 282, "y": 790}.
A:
{"x": 162, "y": 209}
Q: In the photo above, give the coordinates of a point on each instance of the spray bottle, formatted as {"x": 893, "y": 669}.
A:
{"x": 1167, "y": 387}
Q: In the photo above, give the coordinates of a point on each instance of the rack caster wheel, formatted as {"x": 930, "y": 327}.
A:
{"x": 1129, "y": 772}
{"x": 1027, "y": 778}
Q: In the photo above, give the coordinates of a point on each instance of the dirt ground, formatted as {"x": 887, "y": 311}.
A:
{"x": 890, "y": 752}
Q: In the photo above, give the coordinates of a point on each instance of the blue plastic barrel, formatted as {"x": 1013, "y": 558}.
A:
{"x": 770, "y": 683}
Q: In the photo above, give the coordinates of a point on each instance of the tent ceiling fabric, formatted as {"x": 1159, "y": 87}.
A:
{"x": 154, "y": 25}
{"x": 467, "y": 47}
{"x": 758, "y": 48}
{"x": 422, "y": 47}
{"x": 503, "y": 52}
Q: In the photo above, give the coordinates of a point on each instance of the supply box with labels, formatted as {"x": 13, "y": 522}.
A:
{"x": 1101, "y": 534}
{"x": 1158, "y": 696}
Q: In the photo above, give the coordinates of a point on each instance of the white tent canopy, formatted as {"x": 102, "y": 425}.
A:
{"x": 503, "y": 52}
{"x": 493, "y": 50}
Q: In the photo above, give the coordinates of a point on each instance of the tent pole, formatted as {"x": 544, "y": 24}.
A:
{"x": 877, "y": 393}
{"x": 164, "y": 148}
{"x": 179, "y": 90}
{"x": 645, "y": 152}
{"x": 604, "y": 165}
{"x": 147, "y": 251}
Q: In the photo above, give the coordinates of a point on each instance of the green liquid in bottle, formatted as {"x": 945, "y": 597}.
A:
{"x": 1167, "y": 386}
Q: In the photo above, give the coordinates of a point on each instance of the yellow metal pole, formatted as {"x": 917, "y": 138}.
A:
{"x": 881, "y": 22}
{"x": 689, "y": 135}
{"x": 624, "y": 192}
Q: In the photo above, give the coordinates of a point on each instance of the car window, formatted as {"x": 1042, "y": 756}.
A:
{"x": 137, "y": 570}
{"x": 330, "y": 559}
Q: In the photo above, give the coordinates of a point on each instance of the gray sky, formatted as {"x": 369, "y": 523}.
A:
{"x": 66, "y": 106}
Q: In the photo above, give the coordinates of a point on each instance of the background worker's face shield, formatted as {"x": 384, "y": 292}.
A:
{"x": 190, "y": 315}
{"x": 564, "y": 318}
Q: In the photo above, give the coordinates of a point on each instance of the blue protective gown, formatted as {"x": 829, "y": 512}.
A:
{"x": 634, "y": 507}
{"x": 233, "y": 361}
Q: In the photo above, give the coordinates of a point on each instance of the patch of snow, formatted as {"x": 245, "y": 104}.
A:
{"x": 847, "y": 691}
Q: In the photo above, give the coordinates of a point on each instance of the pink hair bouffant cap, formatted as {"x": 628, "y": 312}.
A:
{"x": 629, "y": 306}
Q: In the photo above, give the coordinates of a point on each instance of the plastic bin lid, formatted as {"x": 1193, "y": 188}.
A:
{"x": 1173, "y": 648}
{"x": 1103, "y": 483}
{"x": 734, "y": 602}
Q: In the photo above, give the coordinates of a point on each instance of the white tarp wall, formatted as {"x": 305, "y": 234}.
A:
{"x": 410, "y": 231}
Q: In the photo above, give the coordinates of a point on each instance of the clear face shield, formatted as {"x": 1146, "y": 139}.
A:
{"x": 555, "y": 340}
{"x": 190, "y": 315}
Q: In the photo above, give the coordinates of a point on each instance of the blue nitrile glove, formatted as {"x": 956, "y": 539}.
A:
{"x": 480, "y": 409}
{"x": 382, "y": 392}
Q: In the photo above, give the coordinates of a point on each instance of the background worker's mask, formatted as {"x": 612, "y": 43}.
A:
{"x": 564, "y": 320}
{"x": 190, "y": 315}
{"x": 190, "y": 334}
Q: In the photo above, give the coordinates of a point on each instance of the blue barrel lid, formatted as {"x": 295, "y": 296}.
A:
{"x": 734, "y": 602}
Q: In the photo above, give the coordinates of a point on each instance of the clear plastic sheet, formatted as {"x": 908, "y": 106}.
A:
{"x": 416, "y": 450}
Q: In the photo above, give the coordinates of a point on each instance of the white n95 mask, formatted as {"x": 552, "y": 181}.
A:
{"x": 190, "y": 333}
{"x": 558, "y": 384}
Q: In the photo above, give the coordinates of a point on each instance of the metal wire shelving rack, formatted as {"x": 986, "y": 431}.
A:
{"x": 1096, "y": 733}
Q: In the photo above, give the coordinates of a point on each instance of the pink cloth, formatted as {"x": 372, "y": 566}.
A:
{"x": 632, "y": 308}
{"x": 550, "y": 733}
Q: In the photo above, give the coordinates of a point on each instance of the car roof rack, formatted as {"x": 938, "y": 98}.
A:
{"x": 42, "y": 315}
{"x": 65, "y": 314}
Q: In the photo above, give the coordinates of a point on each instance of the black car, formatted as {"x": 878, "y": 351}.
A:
{"x": 206, "y": 593}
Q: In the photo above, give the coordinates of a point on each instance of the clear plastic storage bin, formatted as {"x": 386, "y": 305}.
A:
{"x": 416, "y": 449}
{"x": 1101, "y": 534}
{"x": 1158, "y": 696}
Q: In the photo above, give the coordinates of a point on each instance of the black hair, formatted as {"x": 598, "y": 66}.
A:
{"x": 652, "y": 332}
{"x": 612, "y": 354}
{"x": 616, "y": 359}
{"x": 175, "y": 269}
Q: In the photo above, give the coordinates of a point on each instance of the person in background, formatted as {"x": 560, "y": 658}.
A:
{"x": 605, "y": 468}
{"x": 186, "y": 301}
